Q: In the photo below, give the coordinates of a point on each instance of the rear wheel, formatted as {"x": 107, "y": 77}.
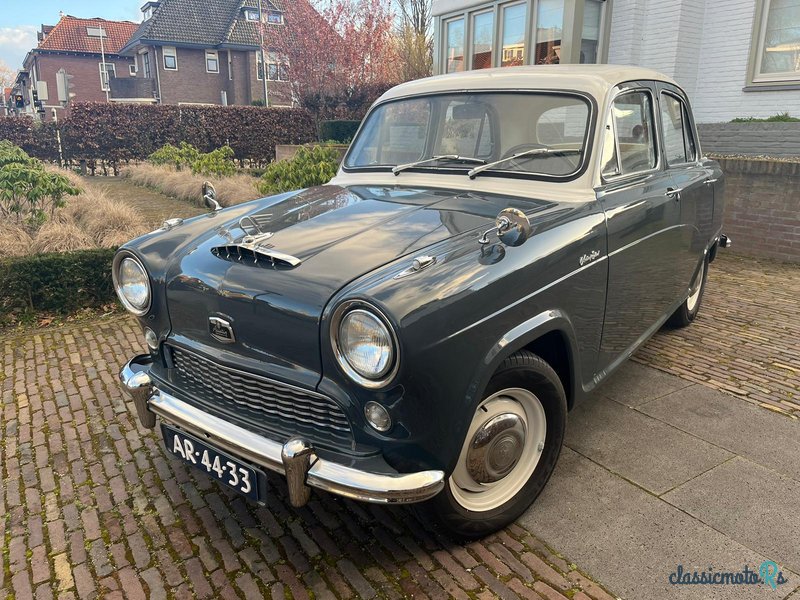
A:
{"x": 687, "y": 311}
{"x": 510, "y": 450}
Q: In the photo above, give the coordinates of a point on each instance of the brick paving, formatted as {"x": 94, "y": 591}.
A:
{"x": 91, "y": 506}
{"x": 746, "y": 339}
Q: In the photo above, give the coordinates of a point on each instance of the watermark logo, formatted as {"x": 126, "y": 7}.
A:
{"x": 767, "y": 573}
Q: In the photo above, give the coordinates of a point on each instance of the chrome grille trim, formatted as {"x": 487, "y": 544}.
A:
{"x": 258, "y": 401}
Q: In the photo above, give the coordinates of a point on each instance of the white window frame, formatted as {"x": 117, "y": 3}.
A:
{"x": 147, "y": 67}
{"x": 445, "y": 40}
{"x": 105, "y": 80}
{"x": 500, "y": 27}
{"x": 251, "y": 14}
{"x": 212, "y": 55}
{"x": 259, "y": 63}
{"x": 755, "y": 77}
{"x": 169, "y": 51}
{"x": 271, "y": 13}
{"x": 133, "y": 68}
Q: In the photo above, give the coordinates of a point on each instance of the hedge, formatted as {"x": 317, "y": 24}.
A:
{"x": 338, "y": 131}
{"x": 120, "y": 132}
{"x": 56, "y": 283}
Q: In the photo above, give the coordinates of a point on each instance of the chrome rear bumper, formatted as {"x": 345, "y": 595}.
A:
{"x": 295, "y": 459}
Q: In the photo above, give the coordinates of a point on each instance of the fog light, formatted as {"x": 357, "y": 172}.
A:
{"x": 377, "y": 416}
{"x": 151, "y": 338}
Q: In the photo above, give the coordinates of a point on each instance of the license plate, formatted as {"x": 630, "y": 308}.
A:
{"x": 221, "y": 466}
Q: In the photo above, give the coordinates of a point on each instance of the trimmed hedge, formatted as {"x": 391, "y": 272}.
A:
{"x": 338, "y": 131}
{"x": 120, "y": 132}
{"x": 56, "y": 283}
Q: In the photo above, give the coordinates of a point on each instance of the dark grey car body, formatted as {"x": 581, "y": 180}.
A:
{"x": 601, "y": 272}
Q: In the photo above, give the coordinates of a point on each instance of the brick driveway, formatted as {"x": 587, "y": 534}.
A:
{"x": 90, "y": 505}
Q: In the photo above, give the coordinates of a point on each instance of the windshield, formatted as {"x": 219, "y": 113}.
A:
{"x": 458, "y": 131}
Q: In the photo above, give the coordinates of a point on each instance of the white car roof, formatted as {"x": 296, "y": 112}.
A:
{"x": 594, "y": 80}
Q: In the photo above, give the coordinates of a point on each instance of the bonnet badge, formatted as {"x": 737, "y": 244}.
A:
{"x": 221, "y": 330}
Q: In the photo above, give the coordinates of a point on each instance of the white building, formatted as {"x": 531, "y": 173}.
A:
{"x": 735, "y": 58}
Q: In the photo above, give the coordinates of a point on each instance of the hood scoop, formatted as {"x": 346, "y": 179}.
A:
{"x": 254, "y": 250}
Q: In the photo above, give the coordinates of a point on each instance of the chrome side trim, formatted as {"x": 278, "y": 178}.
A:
{"x": 282, "y": 458}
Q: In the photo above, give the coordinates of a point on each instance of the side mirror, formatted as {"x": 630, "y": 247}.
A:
{"x": 512, "y": 226}
{"x": 210, "y": 196}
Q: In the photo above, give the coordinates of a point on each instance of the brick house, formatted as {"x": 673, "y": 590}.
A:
{"x": 75, "y": 61}
{"x": 199, "y": 52}
{"x": 736, "y": 58}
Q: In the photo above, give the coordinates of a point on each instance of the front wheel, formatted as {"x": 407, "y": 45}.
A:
{"x": 687, "y": 311}
{"x": 509, "y": 453}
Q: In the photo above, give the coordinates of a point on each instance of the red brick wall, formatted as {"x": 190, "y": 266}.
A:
{"x": 86, "y": 75}
{"x": 192, "y": 84}
{"x": 762, "y": 212}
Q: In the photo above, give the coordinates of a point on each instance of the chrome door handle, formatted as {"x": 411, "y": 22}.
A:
{"x": 676, "y": 193}
{"x": 711, "y": 181}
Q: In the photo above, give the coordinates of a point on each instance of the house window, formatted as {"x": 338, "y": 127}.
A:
{"x": 777, "y": 39}
{"x": 170, "y": 58}
{"x": 592, "y": 26}
{"x": 482, "y": 40}
{"x": 455, "y": 45}
{"x": 274, "y": 17}
{"x": 549, "y": 24}
{"x": 212, "y": 61}
{"x": 251, "y": 14}
{"x": 513, "y": 50}
{"x": 277, "y": 69}
{"x": 146, "y": 65}
{"x": 133, "y": 68}
{"x": 107, "y": 72}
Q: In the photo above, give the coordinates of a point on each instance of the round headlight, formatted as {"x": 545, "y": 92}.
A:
{"x": 133, "y": 285}
{"x": 365, "y": 347}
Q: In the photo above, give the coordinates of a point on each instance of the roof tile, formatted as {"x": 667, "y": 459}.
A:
{"x": 70, "y": 34}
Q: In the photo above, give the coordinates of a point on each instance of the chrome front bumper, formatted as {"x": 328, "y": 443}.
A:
{"x": 295, "y": 459}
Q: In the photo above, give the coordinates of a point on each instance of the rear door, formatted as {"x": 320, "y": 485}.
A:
{"x": 692, "y": 181}
{"x": 643, "y": 221}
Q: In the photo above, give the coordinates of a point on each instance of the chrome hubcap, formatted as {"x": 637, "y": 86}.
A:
{"x": 501, "y": 450}
{"x": 496, "y": 448}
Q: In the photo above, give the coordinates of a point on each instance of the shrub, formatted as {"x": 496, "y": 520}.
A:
{"x": 175, "y": 156}
{"x": 29, "y": 193}
{"x": 309, "y": 167}
{"x": 217, "y": 163}
{"x": 338, "y": 131}
{"x": 60, "y": 283}
{"x": 779, "y": 118}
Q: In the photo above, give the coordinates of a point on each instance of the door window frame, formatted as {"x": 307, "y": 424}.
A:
{"x": 688, "y": 128}
{"x": 621, "y": 90}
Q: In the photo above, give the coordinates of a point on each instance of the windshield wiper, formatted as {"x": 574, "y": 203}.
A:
{"x": 527, "y": 153}
{"x": 396, "y": 170}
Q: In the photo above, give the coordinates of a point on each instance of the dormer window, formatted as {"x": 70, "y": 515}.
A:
{"x": 275, "y": 17}
{"x": 148, "y": 9}
{"x": 251, "y": 14}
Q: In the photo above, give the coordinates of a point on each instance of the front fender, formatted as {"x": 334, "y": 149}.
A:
{"x": 520, "y": 337}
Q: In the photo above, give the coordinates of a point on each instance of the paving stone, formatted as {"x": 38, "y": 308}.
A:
{"x": 633, "y": 384}
{"x": 752, "y": 504}
{"x": 641, "y": 449}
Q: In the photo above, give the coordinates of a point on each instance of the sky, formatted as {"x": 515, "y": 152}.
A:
{"x": 21, "y": 19}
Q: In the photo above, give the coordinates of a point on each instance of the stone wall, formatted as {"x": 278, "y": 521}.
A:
{"x": 762, "y": 212}
{"x": 750, "y": 139}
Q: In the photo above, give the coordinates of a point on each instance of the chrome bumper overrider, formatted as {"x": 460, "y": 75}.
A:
{"x": 295, "y": 459}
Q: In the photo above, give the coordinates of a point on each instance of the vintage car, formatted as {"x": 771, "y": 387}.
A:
{"x": 495, "y": 244}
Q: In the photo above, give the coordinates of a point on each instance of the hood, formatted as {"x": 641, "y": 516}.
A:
{"x": 336, "y": 235}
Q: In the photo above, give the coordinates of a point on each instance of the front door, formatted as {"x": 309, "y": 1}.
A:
{"x": 643, "y": 220}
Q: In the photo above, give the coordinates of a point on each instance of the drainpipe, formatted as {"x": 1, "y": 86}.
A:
{"x": 158, "y": 76}
{"x": 263, "y": 54}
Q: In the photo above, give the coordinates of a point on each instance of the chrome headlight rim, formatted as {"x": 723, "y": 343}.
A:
{"x": 118, "y": 259}
{"x": 344, "y": 309}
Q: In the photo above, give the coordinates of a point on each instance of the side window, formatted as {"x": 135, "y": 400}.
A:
{"x": 632, "y": 114}
{"x": 609, "y": 165}
{"x": 678, "y": 141}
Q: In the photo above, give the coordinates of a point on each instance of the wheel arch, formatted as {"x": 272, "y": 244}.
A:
{"x": 549, "y": 335}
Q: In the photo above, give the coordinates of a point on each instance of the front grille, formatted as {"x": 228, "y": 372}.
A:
{"x": 258, "y": 403}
